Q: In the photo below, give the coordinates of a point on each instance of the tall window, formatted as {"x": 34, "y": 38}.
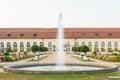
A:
{"x": 21, "y": 44}
{"x": 90, "y": 44}
{"x": 115, "y": 44}
{"x": 109, "y": 45}
{"x": 34, "y": 43}
{"x": 76, "y": 44}
{"x": 83, "y": 43}
{"x": 68, "y": 47}
{"x": 103, "y": 45}
{"x": 1, "y": 47}
{"x": 2, "y": 44}
{"x": 28, "y": 44}
{"x": 49, "y": 46}
{"x": 41, "y": 44}
{"x": 8, "y": 44}
{"x": 96, "y": 44}
{"x": 15, "y": 44}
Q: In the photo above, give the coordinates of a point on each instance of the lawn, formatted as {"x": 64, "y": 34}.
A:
{"x": 12, "y": 76}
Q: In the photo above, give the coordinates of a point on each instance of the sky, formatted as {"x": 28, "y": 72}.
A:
{"x": 45, "y": 13}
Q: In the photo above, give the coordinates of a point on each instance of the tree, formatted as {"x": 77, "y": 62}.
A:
{"x": 41, "y": 48}
{"x": 85, "y": 49}
{"x": 79, "y": 49}
{"x": 34, "y": 48}
{"x": 75, "y": 49}
{"x": 45, "y": 49}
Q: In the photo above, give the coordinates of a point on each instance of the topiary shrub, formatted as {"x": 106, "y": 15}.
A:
{"x": 30, "y": 55}
{"x": 85, "y": 49}
{"x": 118, "y": 58}
{"x": 21, "y": 49}
{"x": 96, "y": 49}
{"x": 6, "y": 58}
{"x": 54, "y": 48}
{"x": 90, "y": 49}
{"x": 29, "y": 49}
{"x": 103, "y": 49}
{"x": 15, "y": 49}
{"x": 110, "y": 50}
{"x": 94, "y": 52}
{"x": 35, "y": 48}
{"x": 8, "y": 49}
{"x": 6, "y": 53}
{"x": 116, "y": 49}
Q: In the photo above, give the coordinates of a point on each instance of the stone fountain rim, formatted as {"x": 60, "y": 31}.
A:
{"x": 107, "y": 68}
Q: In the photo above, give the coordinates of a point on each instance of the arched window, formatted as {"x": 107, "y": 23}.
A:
{"x": 41, "y": 44}
{"x": 2, "y": 47}
{"x": 21, "y": 44}
{"x": 49, "y": 46}
{"x": 90, "y": 44}
{"x": 96, "y": 45}
{"x": 68, "y": 47}
{"x": 28, "y": 45}
{"x": 15, "y": 44}
{"x": 8, "y": 45}
{"x": 76, "y": 44}
{"x": 2, "y": 44}
{"x": 83, "y": 43}
{"x": 34, "y": 43}
{"x": 115, "y": 44}
{"x": 103, "y": 45}
{"x": 109, "y": 45}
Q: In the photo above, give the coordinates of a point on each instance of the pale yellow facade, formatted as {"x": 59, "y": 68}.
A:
{"x": 71, "y": 41}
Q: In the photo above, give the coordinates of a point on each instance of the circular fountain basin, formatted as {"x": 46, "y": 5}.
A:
{"x": 48, "y": 68}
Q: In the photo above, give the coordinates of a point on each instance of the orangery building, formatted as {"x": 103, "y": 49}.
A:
{"x": 107, "y": 38}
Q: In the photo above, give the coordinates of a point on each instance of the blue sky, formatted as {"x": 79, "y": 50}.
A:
{"x": 44, "y": 13}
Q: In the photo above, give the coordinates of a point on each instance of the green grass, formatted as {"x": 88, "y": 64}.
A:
{"x": 12, "y": 76}
{"x": 1, "y": 66}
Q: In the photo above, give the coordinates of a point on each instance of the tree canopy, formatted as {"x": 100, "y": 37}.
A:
{"x": 35, "y": 48}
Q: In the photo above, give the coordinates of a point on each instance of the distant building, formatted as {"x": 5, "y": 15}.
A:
{"x": 107, "y": 38}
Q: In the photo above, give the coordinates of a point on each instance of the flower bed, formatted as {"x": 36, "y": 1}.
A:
{"x": 106, "y": 57}
{"x": 14, "y": 56}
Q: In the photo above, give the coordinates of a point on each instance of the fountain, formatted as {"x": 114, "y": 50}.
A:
{"x": 60, "y": 42}
{"x": 60, "y": 67}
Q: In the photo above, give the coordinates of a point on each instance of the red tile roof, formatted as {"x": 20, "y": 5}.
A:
{"x": 50, "y": 33}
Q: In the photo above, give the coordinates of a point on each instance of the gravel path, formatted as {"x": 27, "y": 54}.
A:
{"x": 52, "y": 59}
